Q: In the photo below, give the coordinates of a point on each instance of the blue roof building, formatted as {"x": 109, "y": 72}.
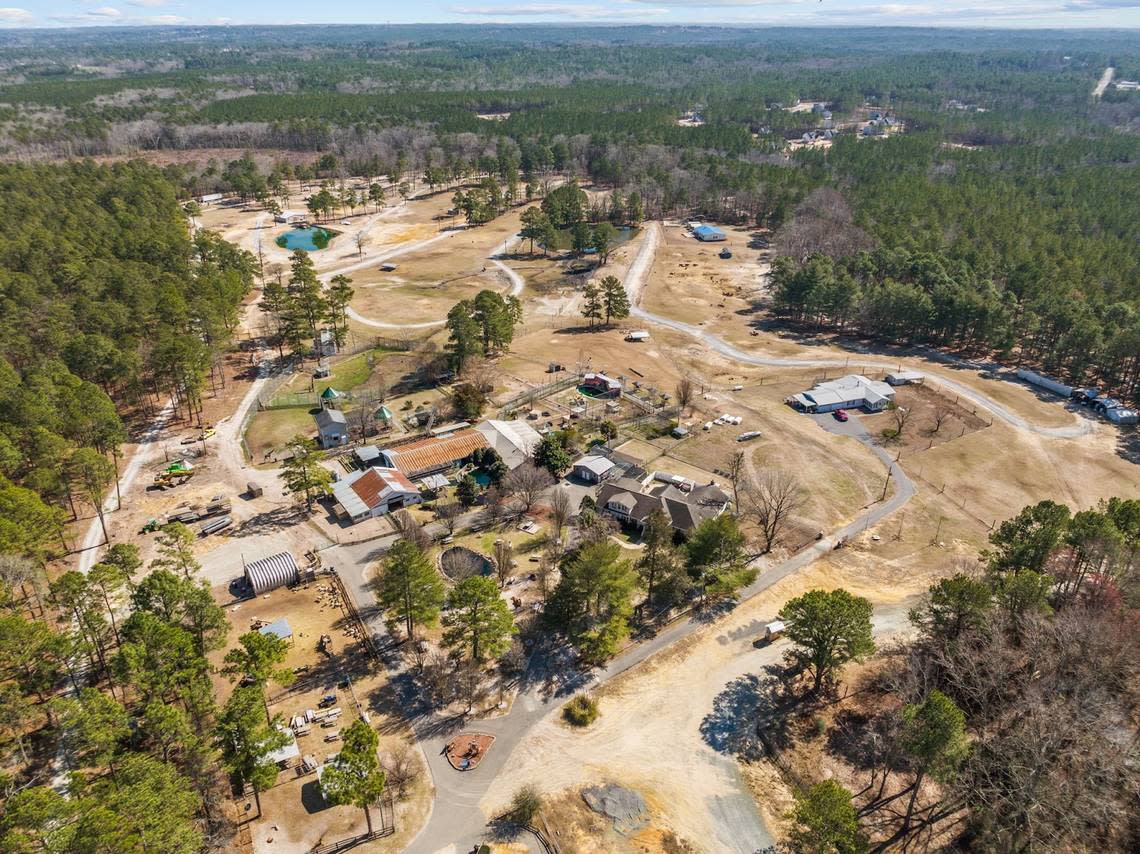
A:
{"x": 708, "y": 233}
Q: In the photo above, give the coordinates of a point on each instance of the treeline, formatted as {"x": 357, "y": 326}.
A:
{"x": 1001, "y": 726}
{"x": 1031, "y": 251}
{"x": 106, "y": 303}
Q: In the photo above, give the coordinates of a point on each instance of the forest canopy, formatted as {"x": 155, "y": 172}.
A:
{"x": 106, "y": 303}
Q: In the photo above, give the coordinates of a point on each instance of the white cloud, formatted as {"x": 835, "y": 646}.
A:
{"x": 166, "y": 20}
{"x": 712, "y": 3}
{"x": 147, "y": 4}
{"x": 106, "y": 12}
{"x": 584, "y": 12}
{"x": 14, "y": 15}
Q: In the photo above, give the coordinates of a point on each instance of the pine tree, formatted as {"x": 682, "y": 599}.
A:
{"x": 410, "y": 589}
{"x": 592, "y": 304}
{"x": 477, "y": 619}
{"x": 303, "y": 473}
{"x": 614, "y": 298}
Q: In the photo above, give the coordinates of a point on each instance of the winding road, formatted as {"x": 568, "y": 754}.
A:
{"x": 516, "y": 281}
{"x": 634, "y": 284}
{"x": 457, "y": 822}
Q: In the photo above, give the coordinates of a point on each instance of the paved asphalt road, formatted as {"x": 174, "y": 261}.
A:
{"x": 456, "y": 822}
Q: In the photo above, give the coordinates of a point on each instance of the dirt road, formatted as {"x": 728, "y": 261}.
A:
{"x": 517, "y": 283}
{"x": 678, "y": 754}
{"x": 1105, "y": 80}
{"x": 634, "y": 284}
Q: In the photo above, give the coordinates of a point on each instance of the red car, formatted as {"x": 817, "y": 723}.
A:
{"x": 840, "y": 414}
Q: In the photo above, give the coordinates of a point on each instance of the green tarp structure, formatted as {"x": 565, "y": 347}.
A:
{"x": 331, "y": 393}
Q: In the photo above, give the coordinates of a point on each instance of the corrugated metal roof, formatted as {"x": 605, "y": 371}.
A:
{"x": 430, "y": 455}
{"x": 271, "y": 572}
{"x": 278, "y": 629}
{"x": 362, "y": 491}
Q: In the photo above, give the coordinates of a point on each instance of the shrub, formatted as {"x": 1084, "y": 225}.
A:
{"x": 581, "y": 711}
{"x": 525, "y": 805}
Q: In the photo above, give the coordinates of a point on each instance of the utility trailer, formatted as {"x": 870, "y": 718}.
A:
{"x": 214, "y": 526}
{"x": 772, "y": 631}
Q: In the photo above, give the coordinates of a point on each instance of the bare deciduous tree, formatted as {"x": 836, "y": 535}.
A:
{"x": 402, "y": 767}
{"x": 448, "y": 512}
{"x": 493, "y": 500}
{"x": 942, "y": 410}
{"x": 684, "y": 392}
{"x": 561, "y": 509}
{"x": 437, "y": 679}
{"x": 527, "y": 483}
{"x": 900, "y": 415}
{"x": 770, "y": 500}
{"x": 823, "y": 223}
{"x": 411, "y": 530}
{"x": 736, "y": 474}
{"x": 481, "y": 373}
{"x": 504, "y": 558}
{"x": 362, "y": 420}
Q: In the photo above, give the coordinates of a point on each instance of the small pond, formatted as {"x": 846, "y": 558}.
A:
{"x": 310, "y": 239}
{"x": 460, "y": 562}
{"x": 482, "y": 478}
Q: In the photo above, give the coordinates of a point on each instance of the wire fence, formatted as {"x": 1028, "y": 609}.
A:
{"x": 536, "y": 393}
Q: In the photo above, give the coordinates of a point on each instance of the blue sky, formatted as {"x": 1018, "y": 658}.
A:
{"x": 963, "y": 13}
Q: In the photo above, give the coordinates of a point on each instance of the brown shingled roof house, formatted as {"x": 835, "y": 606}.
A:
{"x": 631, "y": 502}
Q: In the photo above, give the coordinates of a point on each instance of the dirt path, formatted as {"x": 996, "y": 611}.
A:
{"x": 517, "y": 283}
{"x": 634, "y": 284}
{"x": 1105, "y": 80}
{"x": 680, "y": 756}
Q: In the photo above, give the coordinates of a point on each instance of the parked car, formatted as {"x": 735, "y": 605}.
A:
{"x": 840, "y": 415}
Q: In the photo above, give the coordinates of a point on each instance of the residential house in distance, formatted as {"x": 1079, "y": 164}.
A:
{"x": 332, "y": 428}
{"x": 853, "y": 391}
{"x": 632, "y": 501}
{"x": 372, "y": 492}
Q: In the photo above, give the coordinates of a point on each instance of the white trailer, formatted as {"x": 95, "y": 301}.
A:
{"x": 1048, "y": 383}
{"x": 772, "y": 631}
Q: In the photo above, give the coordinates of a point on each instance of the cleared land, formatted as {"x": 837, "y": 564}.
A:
{"x": 429, "y": 281}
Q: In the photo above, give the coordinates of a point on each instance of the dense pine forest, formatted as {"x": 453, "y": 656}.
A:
{"x": 108, "y": 308}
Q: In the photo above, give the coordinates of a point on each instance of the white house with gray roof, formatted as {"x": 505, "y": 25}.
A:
{"x": 853, "y": 391}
